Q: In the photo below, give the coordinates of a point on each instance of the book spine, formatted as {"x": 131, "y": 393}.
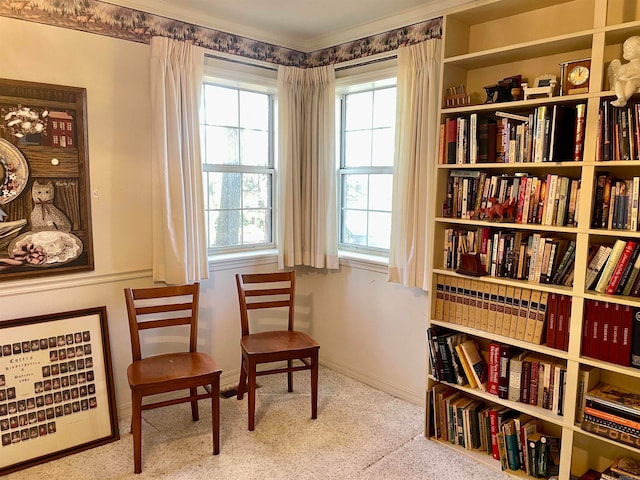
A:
{"x": 579, "y": 140}
{"x": 494, "y": 368}
{"x": 624, "y": 259}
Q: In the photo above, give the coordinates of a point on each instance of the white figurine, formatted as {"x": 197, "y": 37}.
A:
{"x": 625, "y": 79}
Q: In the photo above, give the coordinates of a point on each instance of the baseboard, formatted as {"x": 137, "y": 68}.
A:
{"x": 376, "y": 382}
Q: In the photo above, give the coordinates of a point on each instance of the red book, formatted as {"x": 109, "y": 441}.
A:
{"x": 586, "y": 328}
{"x": 452, "y": 133}
{"x": 552, "y": 305}
{"x": 494, "y": 368}
{"x": 594, "y": 339}
{"x": 493, "y": 426}
{"x": 620, "y": 266}
{"x": 605, "y": 332}
{"x": 626, "y": 336}
{"x": 614, "y": 331}
{"x": 561, "y": 321}
{"x": 565, "y": 344}
{"x": 533, "y": 388}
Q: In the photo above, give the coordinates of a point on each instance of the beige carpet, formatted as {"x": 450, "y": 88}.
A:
{"x": 360, "y": 433}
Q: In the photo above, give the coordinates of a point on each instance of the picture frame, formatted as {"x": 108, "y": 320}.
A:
{"x": 45, "y": 201}
{"x": 56, "y": 387}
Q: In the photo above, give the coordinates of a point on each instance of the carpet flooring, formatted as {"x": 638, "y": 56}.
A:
{"x": 361, "y": 433}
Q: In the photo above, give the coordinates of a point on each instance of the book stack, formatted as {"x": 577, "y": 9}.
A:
{"x": 609, "y": 331}
{"x": 508, "y": 373}
{"x": 514, "y": 438}
{"x": 623, "y": 468}
{"x": 519, "y": 198}
{"x": 553, "y": 133}
{"x": 614, "y": 413}
{"x": 614, "y": 269}
{"x": 618, "y": 135}
{"x": 615, "y": 203}
{"x": 511, "y": 311}
{"x": 513, "y": 254}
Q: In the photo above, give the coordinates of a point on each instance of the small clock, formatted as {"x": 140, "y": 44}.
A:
{"x": 575, "y": 76}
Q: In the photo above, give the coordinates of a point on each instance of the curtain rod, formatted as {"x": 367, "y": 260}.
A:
{"x": 275, "y": 68}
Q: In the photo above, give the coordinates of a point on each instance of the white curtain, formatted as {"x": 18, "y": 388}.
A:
{"x": 179, "y": 239}
{"x": 416, "y": 148}
{"x": 307, "y": 191}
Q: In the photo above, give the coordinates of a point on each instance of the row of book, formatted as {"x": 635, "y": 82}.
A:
{"x": 615, "y": 203}
{"x": 622, "y": 468}
{"x": 618, "y": 132}
{"x": 515, "y": 439}
{"x": 515, "y": 312}
{"x": 614, "y": 269}
{"x": 611, "y": 332}
{"x": 519, "y": 198}
{"x": 513, "y": 254}
{"x": 508, "y": 372}
{"x": 613, "y": 412}
{"x": 553, "y": 133}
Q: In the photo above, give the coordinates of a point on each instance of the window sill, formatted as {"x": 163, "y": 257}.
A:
{"x": 231, "y": 261}
{"x": 373, "y": 263}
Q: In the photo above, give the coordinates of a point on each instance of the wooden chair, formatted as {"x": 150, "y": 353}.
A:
{"x": 155, "y": 308}
{"x": 273, "y": 290}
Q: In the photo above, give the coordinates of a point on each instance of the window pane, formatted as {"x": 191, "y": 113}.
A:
{"x": 384, "y": 108}
{"x": 256, "y": 226}
{"x": 379, "y": 229}
{"x": 254, "y": 110}
{"x": 381, "y": 184}
{"x": 221, "y": 106}
{"x": 221, "y": 146}
{"x": 356, "y": 191}
{"x": 256, "y": 188}
{"x": 225, "y": 228}
{"x": 229, "y": 190}
{"x": 383, "y": 147}
{"x": 357, "y": 151}
{"x": 354, "y": 227}
{"x": 255, "y": 148}
{"x": 359, "y": 110}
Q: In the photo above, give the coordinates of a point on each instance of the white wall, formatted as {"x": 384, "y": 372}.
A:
{"x": 367, "y": 328}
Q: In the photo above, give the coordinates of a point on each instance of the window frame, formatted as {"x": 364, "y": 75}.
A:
{"x": 257, "y": 80}
{"x": 375, "y": 79}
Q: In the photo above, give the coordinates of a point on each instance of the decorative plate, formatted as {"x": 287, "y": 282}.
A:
{"x": 45, "y": 248}
{"x": 14, "y": 172}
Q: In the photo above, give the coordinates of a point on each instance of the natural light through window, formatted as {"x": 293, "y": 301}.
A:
{"x": 237, "y": 168}
{"x": 368, "y": 132}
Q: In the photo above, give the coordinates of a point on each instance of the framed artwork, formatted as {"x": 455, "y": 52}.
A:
{"x": 56, "y": 387}
{"x": 45, "y": 216}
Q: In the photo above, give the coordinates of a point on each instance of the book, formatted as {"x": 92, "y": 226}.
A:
{"x": 515, "y": 376}
{"x": 626, "y": 466}
{"x": 611, "y": 433}
{"x": 477, "y": 363}
{"x": 541, "y": 318}
{"x": 466, "y": 367}
{"x": 552, "y": 307}
{"x": 588, "y": 378}
{"x": 635, "y": 335}
{"x": 626, "y": 336}
{"x": 621, "y": 265}
{"x": 594, "y": 269}
{"x": 610, "y": 265}
{"x": 511, "y": 444}
{"x": 494, "y": 368}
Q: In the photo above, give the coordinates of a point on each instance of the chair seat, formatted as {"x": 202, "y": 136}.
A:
{"x": 170, "y": 369}
{"x": 277, "y": 341}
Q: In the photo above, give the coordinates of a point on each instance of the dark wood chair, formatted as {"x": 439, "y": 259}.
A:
{"x": 273, "y": 290}
{"x": 159, "y": 307}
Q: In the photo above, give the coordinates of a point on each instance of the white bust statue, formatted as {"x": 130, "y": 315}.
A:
{"x": 625, "y": 79}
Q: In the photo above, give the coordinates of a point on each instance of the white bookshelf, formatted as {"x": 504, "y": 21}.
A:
{"x": 483, "y": 43}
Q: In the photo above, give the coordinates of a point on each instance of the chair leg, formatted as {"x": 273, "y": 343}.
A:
{"x": 290, "y": 376}
{"x": 215, "y": 413}
{"x": 251, "y": 367}
{"x": 243, "y": 379}
{"x": 195, "y": 414}
{"x": 314, "y": 385}
{"x": 136, "y": 430}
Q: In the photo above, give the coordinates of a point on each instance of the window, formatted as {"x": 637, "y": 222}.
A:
{"x": 238, "y": 168}
{"x": 366, "y": 168}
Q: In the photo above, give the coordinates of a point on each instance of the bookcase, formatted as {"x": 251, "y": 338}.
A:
{"x": 484, "y": 43}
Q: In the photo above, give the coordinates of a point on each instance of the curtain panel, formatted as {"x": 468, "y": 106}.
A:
{"x": 416, "y": 147}
{"x": 179, "y": 238}
{"x": 307, "y": 184}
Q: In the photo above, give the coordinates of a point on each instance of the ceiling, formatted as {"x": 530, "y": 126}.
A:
{"x": 304, "y": 25}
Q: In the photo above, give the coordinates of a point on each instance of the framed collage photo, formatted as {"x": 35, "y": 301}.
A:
{"x": 56, "y": 387}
